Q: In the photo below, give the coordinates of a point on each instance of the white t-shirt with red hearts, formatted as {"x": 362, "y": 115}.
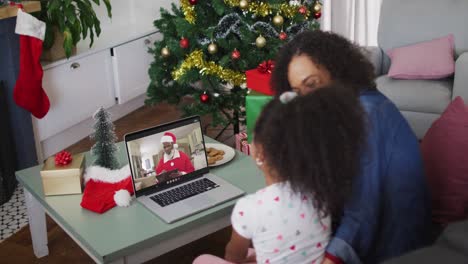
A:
{"x": 284, "y": 226}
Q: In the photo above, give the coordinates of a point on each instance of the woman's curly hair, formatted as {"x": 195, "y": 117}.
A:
{"x": 314, "y": 143}
{"x": 344, "y": 61}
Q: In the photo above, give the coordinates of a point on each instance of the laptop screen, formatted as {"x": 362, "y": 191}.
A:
{"x": 166, "y": 155}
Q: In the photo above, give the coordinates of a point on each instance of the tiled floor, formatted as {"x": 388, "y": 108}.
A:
{"x": 13, "y": 215}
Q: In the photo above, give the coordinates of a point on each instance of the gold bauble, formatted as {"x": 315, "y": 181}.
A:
{"x": 260, "y": 42}
{"x": 243, "y": 4}
{"x": 212, "y": 48}
{"x": 278, "y": 20}
{"x": 165, "y": 52}
{"x": 317, "y": 7}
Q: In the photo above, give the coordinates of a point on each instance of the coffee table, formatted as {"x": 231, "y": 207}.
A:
{"x": 132, "y": 234}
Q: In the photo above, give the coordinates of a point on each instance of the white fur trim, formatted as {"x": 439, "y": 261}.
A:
{"x": 167, "y": 139}
{"x": 28, "y": 25}
{"x": 171, "y": 157}
{"x": 101, "y": 174}
{"x": 122, "y": 198}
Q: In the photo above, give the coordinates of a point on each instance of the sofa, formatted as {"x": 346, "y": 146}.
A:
{"x": 451, "y": 247}
{"x": 405, "y": 22}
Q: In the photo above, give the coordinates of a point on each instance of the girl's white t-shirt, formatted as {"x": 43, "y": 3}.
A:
{"x": 284, "y": 226}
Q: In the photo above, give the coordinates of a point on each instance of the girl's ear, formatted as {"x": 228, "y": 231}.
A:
{"x": 256, "y": 151}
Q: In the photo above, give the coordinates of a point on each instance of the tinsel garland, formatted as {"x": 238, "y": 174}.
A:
{"x": 195, "y": 60}
{"x": 264, "y": 9}
{"x": 189, "y": 11}
{"x": 228, "y": 24}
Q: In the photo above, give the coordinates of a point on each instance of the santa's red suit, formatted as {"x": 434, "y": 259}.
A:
{"x": 179, "y": 161}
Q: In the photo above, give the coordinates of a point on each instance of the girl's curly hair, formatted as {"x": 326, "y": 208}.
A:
{"x": 314, "y": 143}
{"x": 344, "y": 61}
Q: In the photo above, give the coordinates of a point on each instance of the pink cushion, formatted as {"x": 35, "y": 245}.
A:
{"x": 445, "y": 154}
{"x": 426, "y": 60}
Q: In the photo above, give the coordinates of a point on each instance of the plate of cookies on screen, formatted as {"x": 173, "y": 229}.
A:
{"x": 218, "y": 154}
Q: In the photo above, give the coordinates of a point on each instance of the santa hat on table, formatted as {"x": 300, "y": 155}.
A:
{"x": 171, "y": 138}
{"x": 106, "y": 188}
{"x": 28, "y": 92}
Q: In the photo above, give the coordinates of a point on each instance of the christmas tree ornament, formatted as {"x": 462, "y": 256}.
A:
{"x": 184, "y": 43}
{"x": 28, "y": 92}
{"x": 212, "y": 48}
{"x": 189, "y": 11}
{"x": 317, "y": 15}
{"x": 165, "y": 52}
{"x": 193, "y": 2}
{"x": 204, "y": 98}
{"x": 104, "y": 150}
{"x": 244, "y": 4}
{"x": 260, "y": 42}
{"x": 216, "y": 95}
{"x": 302, "y": 10}
{"x": 317, "y": 7}
{"x": 235, "y": 55}
{"x": 278, "y": 20}
{"x": 196, "y": 60}
{"x": 283, "y": 35}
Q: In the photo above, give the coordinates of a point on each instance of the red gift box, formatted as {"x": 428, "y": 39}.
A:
{"x": 259, "y": 79}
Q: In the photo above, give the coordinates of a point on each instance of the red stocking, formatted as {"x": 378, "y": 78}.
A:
{"x": 28, "y": 92}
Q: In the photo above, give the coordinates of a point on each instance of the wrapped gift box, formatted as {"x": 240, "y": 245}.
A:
{"x": 254, "y": 103}
{"x": 68, "y": 179}
{"x": 258, "y": 81}
{"x": 241, "y": 143}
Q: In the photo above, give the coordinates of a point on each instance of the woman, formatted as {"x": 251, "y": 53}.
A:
{"x": 388, "y": 213}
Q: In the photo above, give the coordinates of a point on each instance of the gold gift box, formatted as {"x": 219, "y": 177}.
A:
{"x": 68, "y": 179}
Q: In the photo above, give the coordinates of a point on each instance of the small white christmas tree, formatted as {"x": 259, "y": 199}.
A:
{"x": 104, "y": 133}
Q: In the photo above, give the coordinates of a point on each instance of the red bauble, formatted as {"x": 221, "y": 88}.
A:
{"x": 317, "y": 15}
{"x": 302, "y": 10}
{"x": 235, "y": 55}
{"x": 193, "y": 2}
{"x": 204, "y": 98}
{"x": 184, "y": 43}
{"x": 283, "y": 35}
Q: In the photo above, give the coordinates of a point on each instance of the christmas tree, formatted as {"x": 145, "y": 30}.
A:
{"x": 104, "y": 149}
{"x": 208, "y": 45}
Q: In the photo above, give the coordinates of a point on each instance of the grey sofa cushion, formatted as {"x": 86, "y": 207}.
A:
{"x": 427, "y": 96}
{"x": 450, "y": 248}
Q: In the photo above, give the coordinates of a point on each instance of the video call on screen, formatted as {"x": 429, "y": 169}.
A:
{"x": 154, "y": 161}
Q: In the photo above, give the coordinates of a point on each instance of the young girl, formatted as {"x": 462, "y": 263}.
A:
{"x": 308, "y": 149}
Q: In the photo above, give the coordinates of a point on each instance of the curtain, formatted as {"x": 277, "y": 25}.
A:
{"x": 356, "y": 20}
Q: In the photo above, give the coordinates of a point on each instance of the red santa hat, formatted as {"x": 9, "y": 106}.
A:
{"x": 169, "y": 137}
{"x": 106, "y": 188}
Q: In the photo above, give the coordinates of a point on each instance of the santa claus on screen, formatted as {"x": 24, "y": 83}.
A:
{"x": 173, "y": 158}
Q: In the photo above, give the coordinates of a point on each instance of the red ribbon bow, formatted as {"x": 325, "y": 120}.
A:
{"x": 63, "y": 158}
{"x": 266, "y": 66}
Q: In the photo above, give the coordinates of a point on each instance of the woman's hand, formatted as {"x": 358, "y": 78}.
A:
{"x": 327, "y": 261}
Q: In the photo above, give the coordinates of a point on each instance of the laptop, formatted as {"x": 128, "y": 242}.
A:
{"x": 174, "y": 186}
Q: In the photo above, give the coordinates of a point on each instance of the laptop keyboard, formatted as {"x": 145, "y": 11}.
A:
{"x": 184, "y": 192}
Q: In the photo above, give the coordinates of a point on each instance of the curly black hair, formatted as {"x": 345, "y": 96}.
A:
{"x": 314, "y": 143}
{"x": 344, "y": 60}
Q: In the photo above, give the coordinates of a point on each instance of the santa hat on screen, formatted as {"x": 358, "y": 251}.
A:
{"x": 171, "y": 138}
{"x": 106, "y": 188}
